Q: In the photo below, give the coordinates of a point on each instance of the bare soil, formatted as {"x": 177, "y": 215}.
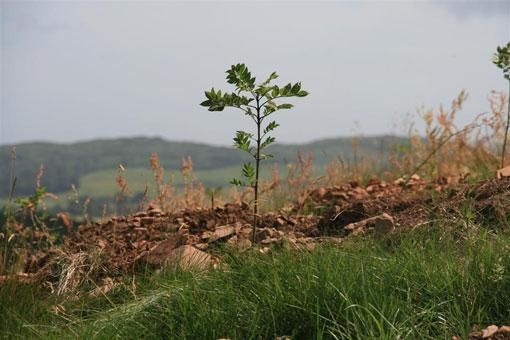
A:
{"x": 125, "y": 241}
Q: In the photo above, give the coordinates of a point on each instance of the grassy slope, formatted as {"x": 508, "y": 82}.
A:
{"x": 67, "y": 164}
{"x": 428, "y": 284}
{"x": 102, "y": 183}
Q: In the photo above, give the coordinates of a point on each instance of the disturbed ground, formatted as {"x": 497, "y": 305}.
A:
{"x": 120, "y": 244}
{"x": 101, "y": 254}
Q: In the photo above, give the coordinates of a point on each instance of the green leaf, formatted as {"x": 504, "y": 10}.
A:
{"x": 240, "y": 76}
{"x": 296, "y": 88}
{"x": 248, "y": 171}
{"x": 275, "y": 92}
{"x": 269, "y": 140}
{"x": 237, "y": 182}
{"x": 242, "y": 140}
{"x": 271, "y": 126}
{"x": 269, "y": 108}
{"x": 284, "y": 106}
{"x": 271, "y": 77}
{"x": 263, "y": 90}
{"x": 302, "y": 93}
{"x": 286, "y": 91}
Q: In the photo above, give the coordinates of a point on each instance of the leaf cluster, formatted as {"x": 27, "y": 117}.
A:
{"x": 247, "y": 91}
{"x": 502, "y": 59}
{"x": 31, "y": 202}
{"x": 258, "y": 101}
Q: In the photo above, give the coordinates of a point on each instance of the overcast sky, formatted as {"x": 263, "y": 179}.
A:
{"x": 75, "y": 70}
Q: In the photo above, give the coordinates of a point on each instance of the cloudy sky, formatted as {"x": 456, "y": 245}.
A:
{"x": 76, "y": 70}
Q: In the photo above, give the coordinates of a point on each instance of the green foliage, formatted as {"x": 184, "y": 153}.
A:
{"x": 432, "y": 283}
{"x": 32, "y": 202}
{"x": 258, "y": 101}
{"x": 502, "y": 59}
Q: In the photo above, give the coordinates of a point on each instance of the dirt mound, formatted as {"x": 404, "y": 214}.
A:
{"x": 412, "y": 204}
{"x": 120, "y": 244}
{"x": 124, "y": 241}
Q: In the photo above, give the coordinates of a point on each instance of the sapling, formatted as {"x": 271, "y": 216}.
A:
{"x": 258, "y": 101}
{"x": 502, "y": 60}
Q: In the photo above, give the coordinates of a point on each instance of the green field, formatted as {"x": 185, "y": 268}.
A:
{"x": 102, "y": 183}
{"x": 93, "y": 164}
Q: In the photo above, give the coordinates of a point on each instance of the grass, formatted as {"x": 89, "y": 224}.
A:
{"x": 429, "y": 284}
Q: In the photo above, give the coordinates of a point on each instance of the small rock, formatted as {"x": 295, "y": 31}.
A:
{"x": 161, "y": 251}
{"x": 280, "y": 221}
{"x": 188, "y": 257}
{"x": 265, "y": 250}
{"x": 221, "y": 233}
{"x": 503, "y": 172}
{"x": 271, "y": 240}
{"x": 415, "y": 177}
{"x": 382, "y": 224}
{"x": 232, "y": 240}
{"x": 504, "y": 329}
{"x": 399, "y": 181}
{"x": 489, "y": 331}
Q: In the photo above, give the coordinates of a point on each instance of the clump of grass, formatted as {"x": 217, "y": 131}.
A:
{"x": 428, "y": 284}
{"x": 163, "y": 189}
{"x": 194, "y": 191}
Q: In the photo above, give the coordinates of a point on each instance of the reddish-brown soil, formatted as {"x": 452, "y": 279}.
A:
{"x": 122, "y": 242}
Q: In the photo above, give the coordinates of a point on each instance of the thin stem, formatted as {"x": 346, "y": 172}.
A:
{"x": 257, "y": 167}
{"x": 503, "y": 152}
{"x": 267, "y": 101}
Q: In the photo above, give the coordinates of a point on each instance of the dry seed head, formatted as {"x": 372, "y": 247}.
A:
{"x": 186, "y": 166}
{"x": 40, "y": 173}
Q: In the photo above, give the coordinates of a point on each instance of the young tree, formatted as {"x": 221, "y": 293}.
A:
{"x": 258, "y": 101}
{"x": 502, "y": 60}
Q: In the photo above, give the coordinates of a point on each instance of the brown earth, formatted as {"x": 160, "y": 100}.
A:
{"x": 382, "y": 207}
{"x": 104, "y": 251}
{"x": 118, "y": 245}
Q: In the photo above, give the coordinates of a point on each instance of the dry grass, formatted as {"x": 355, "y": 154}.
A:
{"x": 443, "y": 151}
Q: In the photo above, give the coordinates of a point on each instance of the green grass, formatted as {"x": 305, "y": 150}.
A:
{"x": 427, "y": 284}
{"x": 102, "y": 183}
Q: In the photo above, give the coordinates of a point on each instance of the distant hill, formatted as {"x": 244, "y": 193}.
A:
{"x": 66, "y": 164}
